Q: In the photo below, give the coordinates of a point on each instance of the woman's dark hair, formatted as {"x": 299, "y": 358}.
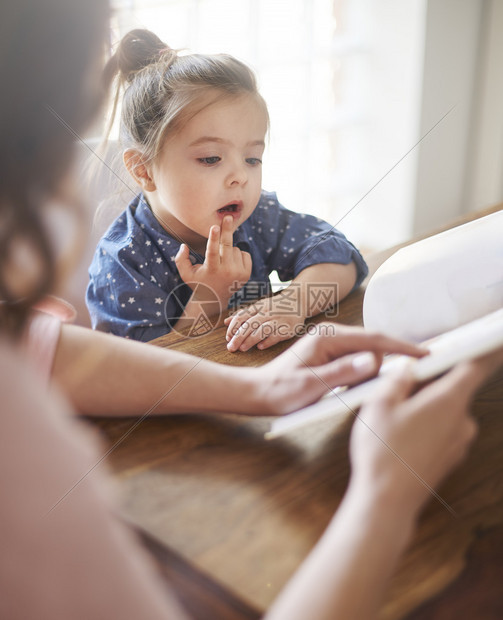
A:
{"x": 48, "y": 51}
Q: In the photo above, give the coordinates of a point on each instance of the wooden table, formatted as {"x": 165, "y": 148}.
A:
{"x": 230, "y": 516}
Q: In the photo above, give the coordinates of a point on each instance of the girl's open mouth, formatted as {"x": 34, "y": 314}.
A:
{"x": 233, "y": 208}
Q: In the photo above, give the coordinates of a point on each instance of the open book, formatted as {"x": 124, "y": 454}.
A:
{"x": 468, "y": 341}
{"x": 445, "y": 291}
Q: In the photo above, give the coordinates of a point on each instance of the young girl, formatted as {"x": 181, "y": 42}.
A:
{"x": 75, "y": 558}
{"x": 202, "y": 235}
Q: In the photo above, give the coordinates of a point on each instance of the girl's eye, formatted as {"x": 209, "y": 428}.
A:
{"x": 253, "y": 161}
{"x": 209, "y": 161}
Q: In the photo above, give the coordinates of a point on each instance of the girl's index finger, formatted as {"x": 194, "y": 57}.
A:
{"x": 226, "y": 235}
{"x": 212, "y": 257}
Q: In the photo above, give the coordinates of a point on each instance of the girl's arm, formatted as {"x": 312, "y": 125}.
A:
{"x": 268, "y": 321}
{"x": 324, "y": 285}
{"x": 300, "y": 248}
{"x": 107, "y": 375}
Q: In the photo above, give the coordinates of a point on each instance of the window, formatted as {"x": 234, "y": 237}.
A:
{"x": 311, "y": 60}
{"x": 350, "y": 98}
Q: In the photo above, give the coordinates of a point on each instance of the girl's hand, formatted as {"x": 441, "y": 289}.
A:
{"x": 266, "y": 322}
{"x": 225, "y": 269}
{"x": 402, "y": 446}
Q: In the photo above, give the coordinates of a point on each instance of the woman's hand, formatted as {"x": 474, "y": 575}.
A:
{"x": 334, "y": 355}
{"x": 403, "y": 445}
{"x": 398, "y": 443}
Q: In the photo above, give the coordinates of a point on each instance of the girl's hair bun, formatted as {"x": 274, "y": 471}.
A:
{"x": 136, "y": 50}
{"x": 159, "y": 89}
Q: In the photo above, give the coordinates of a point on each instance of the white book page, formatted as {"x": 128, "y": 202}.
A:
{"x": 468, "y": 341}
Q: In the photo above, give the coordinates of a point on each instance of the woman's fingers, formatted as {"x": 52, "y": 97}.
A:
{"x": 349, "y": 369}
{"x": 473, "y": 374}
{"x": 331, "y": 340}
{"x": 360, "y": 339}
{"x": 460, "y": 384}
{"x": 404, "y": 437}
{"x": 394, "y": 389}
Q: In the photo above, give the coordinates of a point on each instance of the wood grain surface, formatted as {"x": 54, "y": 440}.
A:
{"x": 244, "y": 512}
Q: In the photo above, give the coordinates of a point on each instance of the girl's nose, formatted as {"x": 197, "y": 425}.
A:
{"x": 238, "y": 174}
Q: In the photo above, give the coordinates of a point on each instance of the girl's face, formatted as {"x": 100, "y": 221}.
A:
{"x": 210, "y": 168}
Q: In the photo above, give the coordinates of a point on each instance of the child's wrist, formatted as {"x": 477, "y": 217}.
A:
{"x": 294, "y": 294}
{"x": 203, "y": 292}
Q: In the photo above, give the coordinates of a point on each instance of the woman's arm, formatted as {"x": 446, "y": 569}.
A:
{"x": 107, "y": 375}
{"x": 101, "y": 570}
{"x": 64, "y": 552}
{"x": 346, "y": 574}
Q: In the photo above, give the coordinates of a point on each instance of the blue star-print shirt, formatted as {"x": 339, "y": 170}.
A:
{"x": 133, "y": 270}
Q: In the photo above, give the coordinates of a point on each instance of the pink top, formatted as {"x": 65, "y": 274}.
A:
{"x": 42, "y": 332}
{"x": 64, "y": 553}
{"x": 41, "y": 340}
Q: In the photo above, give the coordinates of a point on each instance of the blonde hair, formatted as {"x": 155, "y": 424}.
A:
{"x": 164, "y": 89}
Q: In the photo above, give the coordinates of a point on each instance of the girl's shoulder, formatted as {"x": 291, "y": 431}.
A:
{"x": 267, "y": 208}
{"x": 134, "y": 226}
{"x": 267, "y": 201}
{"x": 124, "y": 225}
